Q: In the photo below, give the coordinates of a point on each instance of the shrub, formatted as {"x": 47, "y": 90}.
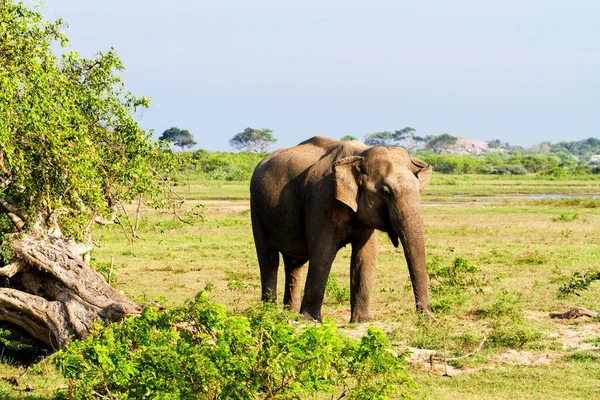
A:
{"x": 457, "y": 275}
{"x": 506, "y": 169}
{"x": 226, "y": 166}
{"x": 532, "y": 258}
{"x": 556, "y": 172}
{"x": 200, "y": 351}
{"x": 506, "y": 305}
{"x": 565, "y": 217}
{"x": 449, "y": 282}
{"x": 577, "y": 282}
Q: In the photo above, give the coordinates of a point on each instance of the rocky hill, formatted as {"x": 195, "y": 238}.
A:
{"x": 470, "y": 146}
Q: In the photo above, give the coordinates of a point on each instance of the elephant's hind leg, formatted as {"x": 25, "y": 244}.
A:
{"x": 293, "y": 272}
{"x": 268, "y": 261}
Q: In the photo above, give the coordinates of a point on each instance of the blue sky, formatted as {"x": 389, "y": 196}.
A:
{"x": 519, "y": 71}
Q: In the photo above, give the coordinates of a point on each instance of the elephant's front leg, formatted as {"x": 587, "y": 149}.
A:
{"x": 321, "y": 258}
{"x": 362, "y": 271}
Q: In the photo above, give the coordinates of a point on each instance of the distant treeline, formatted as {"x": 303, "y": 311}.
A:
{"x": 563, "y": 159}
{"x": 219, "y": 165}
{"x": 582, "y": 150}
{"x": 239, "y": 166}
{"x": 548, "y": 165}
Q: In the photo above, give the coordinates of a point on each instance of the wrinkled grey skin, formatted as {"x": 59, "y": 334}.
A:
{"x": 309, "y": 201}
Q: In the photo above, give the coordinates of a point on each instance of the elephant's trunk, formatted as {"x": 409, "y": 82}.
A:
{"x": 410, "y": 230}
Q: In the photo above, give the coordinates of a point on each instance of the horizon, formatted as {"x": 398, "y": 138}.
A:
{"x": 273, "y": 148}
{"x": 522, "y": 73}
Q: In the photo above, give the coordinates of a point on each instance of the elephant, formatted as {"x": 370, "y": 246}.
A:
{"x": 309, "y": 201}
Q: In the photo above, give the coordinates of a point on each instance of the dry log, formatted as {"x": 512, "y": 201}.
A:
{"x": 574, "y": 313}
{"x": 55, "y": 295}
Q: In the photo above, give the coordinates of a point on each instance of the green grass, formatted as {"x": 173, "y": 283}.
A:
{"x": 562, "y": 381}
{"x": 523, "y": 251}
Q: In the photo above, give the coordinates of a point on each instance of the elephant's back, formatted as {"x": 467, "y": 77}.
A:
{"x": 277, "y": 193}
{"x": 286, "y": 169}
{"x": 285, "y": 166}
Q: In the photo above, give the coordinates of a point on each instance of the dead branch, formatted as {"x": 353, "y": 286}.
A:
{"x": 5, "y": 183}
{"x": 9, "y": 207}
{"x": 103, "y": 221}
{"x": 17, "y": 222}
{"x": 11, "y": 269}
{"x": 137, "y": 217}
{"x": 574, "y": 313}
{"x": 166, "y": 183}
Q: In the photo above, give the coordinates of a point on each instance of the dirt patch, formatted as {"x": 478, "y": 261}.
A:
{"x": 523, "y": 357}
{"x": 573, "y": 335}
{"x": 226, "y": 205}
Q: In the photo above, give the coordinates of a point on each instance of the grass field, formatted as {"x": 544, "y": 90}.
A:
{"x": 496, "y": 266}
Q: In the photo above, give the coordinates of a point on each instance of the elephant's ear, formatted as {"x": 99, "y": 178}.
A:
{"x": 422, "y": 171}
{"x": 346, "y": 173}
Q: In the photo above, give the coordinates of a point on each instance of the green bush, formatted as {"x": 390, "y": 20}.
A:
{"x": 506, "y": 169}
{"x": 454, "y": 276}
{"x": 548, "y": 166}
{"x": 506, "y": 305}
{"x": 578, "y": 282}
{"x": 226, "y": 166}
{"x": 453, "y": 164}
{"x": 564, "y": 217}
{"x": 450, "y": 282}
{"x": 201, "y": 351}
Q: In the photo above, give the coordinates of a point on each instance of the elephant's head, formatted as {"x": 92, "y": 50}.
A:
{"x": 383, "y": 188}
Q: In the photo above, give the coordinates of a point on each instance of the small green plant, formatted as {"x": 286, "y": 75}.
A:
{"x": 564, "y": 217}
{"x": 595, "y": 341}
{"x": 334, "y": 292}
{"x": 451, "y": 281}
{"x": 583, "y": 356}
{"x": 196, "y": 214}
{"x": 457, "y": 275}
{"x": 532, "y": 258}
{"x": 566, "y": 233}
{"x": 13, "y": 352}
{"x": 577, "y": 282}
{"x": 506, "y": 305}
{"x": 513, "y": 334}
{"x": 201, "y": 351}
{"x": 107, "y": 270}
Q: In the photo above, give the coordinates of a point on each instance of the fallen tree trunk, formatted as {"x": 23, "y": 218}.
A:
{"x": 574, "y": 313}
{"x": 51, "y": 294}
